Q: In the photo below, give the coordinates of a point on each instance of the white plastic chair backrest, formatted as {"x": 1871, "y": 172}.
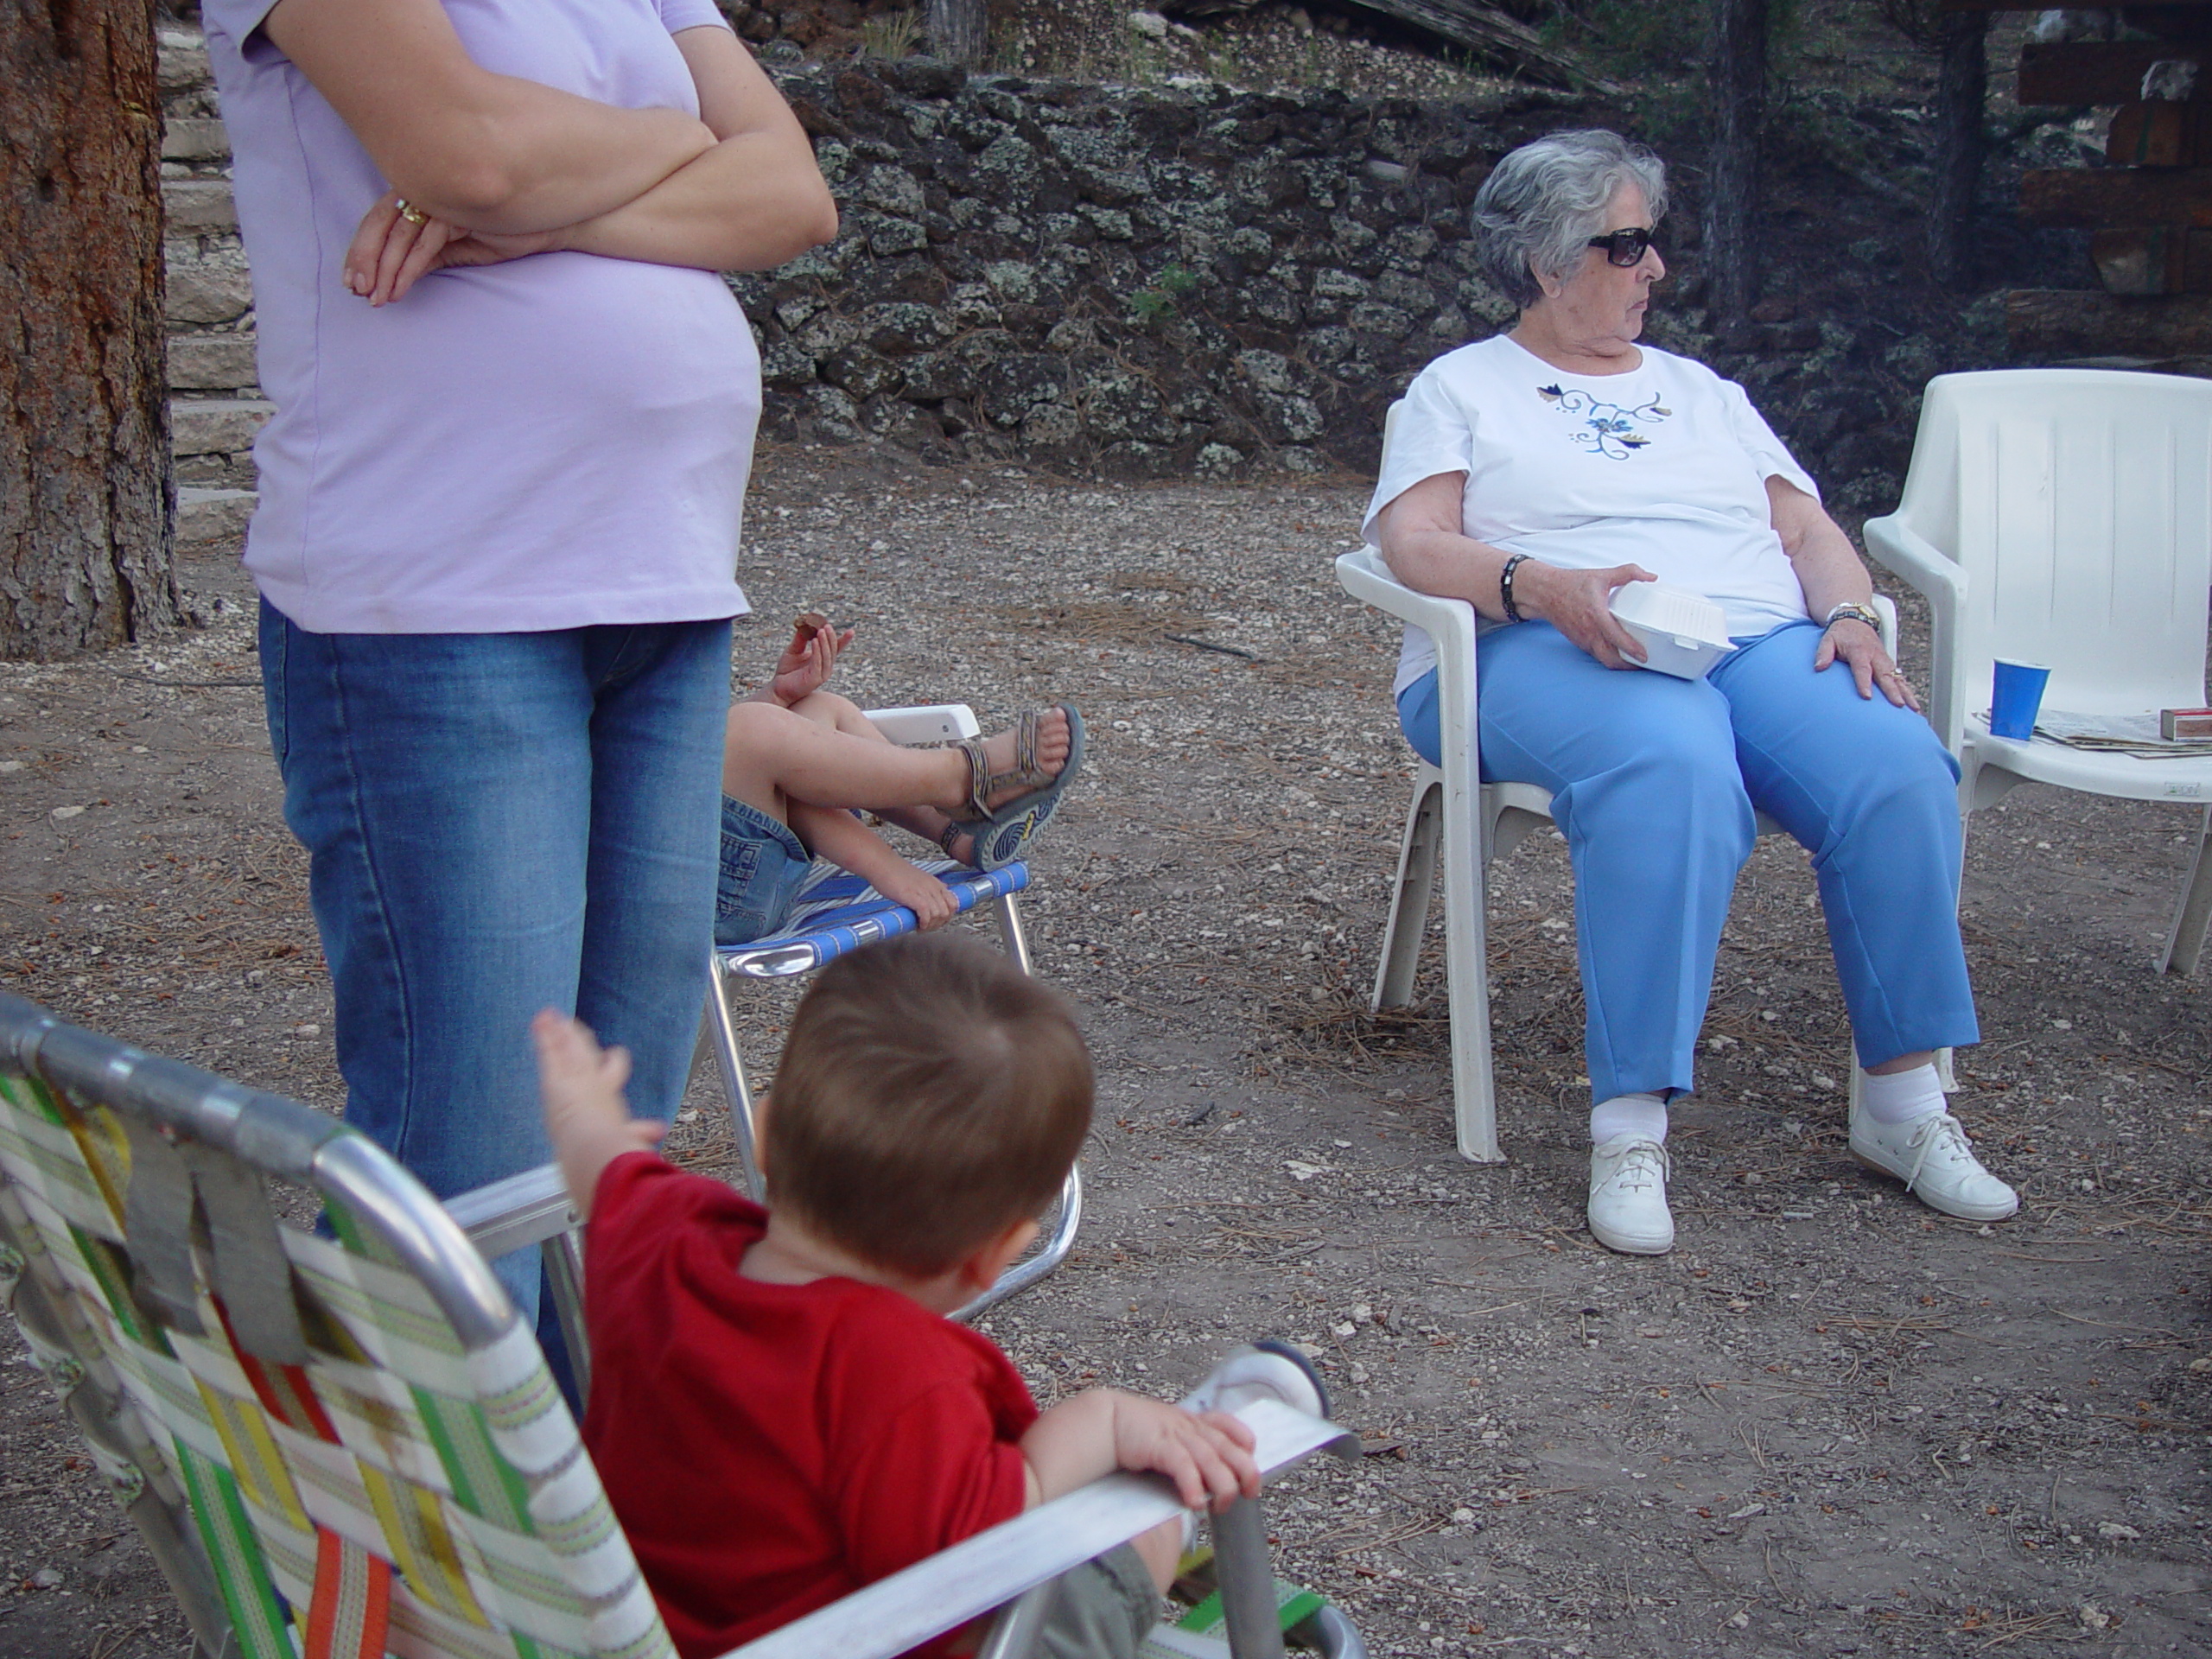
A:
{"x": 2078, "y": 503}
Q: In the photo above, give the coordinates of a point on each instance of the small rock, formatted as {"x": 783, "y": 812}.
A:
{"x": 1737, "y": 1621}
{"x": 1461, "y": 1516}
{"x": 1747, "y": 1512}
{"x": 1343, "y": 1327}
{"x": 2116, "y": 1531}
{"x": 45, "y": 1578}
{"x": 59, "y": 812}
{"x": 1304, "y": 1172}
{"x": 11, "y": 766}
{"x": 1150, "y": 24}
{"x": 307, "y": 1031}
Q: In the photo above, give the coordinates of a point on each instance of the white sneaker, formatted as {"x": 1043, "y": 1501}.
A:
{"x": 1934, "y": 1159}
{"x": 1628, "y": 1198}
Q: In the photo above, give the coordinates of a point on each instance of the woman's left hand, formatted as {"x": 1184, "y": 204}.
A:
{"x": 1849, "y": 640}
{"x": 390, "y": 250}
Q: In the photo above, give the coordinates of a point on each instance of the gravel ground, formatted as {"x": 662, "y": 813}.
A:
{"x": 1829, "y": 1421}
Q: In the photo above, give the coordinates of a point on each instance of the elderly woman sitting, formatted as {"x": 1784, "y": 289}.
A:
{"x": 1535, "y": 473}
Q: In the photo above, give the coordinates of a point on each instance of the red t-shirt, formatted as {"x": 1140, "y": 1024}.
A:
{"x": 769, "y": 1448}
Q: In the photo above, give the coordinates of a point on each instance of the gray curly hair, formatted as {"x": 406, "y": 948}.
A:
{"x": 1540, "y": 206}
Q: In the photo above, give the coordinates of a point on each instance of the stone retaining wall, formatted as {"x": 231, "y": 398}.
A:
{"x": 1129, "y": 282}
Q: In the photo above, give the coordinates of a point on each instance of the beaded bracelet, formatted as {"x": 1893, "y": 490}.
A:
{"x": 1505, "y": 586}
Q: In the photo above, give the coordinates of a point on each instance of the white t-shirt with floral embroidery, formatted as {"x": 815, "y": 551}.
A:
{"x": 1664, "y": 466}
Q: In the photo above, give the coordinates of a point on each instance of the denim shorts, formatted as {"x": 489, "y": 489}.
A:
{"x": 763, "y": 866}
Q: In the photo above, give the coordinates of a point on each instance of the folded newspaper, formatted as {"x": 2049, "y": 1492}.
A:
{"x": 2136, "y": 735}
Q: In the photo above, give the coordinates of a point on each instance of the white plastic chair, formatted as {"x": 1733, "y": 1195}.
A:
{"x": 2064, "y": 517}
{"x": 1457, "y": 817}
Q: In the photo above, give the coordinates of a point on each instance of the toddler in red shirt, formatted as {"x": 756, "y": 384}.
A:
{"x": 779, "y": 1409}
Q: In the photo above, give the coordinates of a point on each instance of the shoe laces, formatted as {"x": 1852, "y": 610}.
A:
{"x": 1644, "y": 1164}
{"x": 1943, "y": 1139}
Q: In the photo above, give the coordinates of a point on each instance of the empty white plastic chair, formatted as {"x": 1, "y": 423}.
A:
{"x": 2064, "y": 517}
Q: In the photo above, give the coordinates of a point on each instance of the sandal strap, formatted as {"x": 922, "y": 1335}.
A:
{"x": 979, "y": 775}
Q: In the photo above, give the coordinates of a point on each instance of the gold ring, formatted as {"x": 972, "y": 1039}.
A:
{"x": 410, "y": 212}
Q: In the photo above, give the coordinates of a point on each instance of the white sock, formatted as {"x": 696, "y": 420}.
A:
{"x": 1902, "y": 1097}
{"x": 1628, "y": 1117}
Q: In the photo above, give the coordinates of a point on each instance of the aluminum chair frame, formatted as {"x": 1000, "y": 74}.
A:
{"x": 175, "y": 1218}
{"x": 1456, "y": 820}
{"x": 2065, "y": 516}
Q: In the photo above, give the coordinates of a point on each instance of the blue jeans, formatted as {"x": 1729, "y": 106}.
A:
{"x": 498, "y": 823}
{"x": 1654, "y": 781}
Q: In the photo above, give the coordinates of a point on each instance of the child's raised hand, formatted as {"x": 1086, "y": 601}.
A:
{"x": 809, "y": 659}
{"x": 1207, "y": 1454}
{"x": 586, "y": 1118}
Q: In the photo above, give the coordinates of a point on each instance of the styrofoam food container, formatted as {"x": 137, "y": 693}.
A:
{"x": 1684, "y": 633}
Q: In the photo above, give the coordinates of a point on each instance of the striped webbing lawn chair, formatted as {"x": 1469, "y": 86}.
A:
{"x": 345, "y": 1448}
{"x": 837, "y": 913}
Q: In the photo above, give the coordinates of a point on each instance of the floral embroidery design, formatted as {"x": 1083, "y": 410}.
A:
{"x": 1609, "y": 429}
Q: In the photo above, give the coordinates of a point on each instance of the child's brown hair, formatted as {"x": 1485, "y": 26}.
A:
{"x": 929, "y": 1095}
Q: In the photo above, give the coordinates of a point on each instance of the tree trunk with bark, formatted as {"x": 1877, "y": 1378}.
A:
{"x": 1739, "y": 60}
{"x": 1961, "y": 86}
{"x": 86, "y": 491}
{"x": 959, "y": 30}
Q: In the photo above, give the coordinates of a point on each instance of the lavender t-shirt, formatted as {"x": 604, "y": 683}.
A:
{"x": 552, "y": 443}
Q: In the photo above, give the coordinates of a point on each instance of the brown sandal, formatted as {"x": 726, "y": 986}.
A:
{"x": 1026, "y": 773}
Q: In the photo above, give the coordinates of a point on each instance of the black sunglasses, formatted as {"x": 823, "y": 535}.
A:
{"x": 1624, "y": 247}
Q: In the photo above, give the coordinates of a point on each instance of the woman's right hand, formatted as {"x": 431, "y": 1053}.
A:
{"x": 390, "y": 251}
{"x": 1578, "y": 603}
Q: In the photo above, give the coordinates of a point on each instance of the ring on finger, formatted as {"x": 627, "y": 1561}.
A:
{"x": 409, "y": 212}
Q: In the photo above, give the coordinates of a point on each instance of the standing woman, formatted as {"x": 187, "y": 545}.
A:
{"x": 498, "y": 520}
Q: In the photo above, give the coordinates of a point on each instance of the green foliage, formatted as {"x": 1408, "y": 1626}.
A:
{"x": 1159, "y": 302}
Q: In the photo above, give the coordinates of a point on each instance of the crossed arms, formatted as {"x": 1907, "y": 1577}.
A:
{"x": 735, "y": 189}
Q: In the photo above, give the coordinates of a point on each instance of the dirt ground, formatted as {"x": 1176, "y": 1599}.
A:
{"x": 1829, "y": 1422}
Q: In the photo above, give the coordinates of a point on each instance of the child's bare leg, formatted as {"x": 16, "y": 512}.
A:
{"x": 1162, "y": 1551}
{"x": 827, "y": 708}
{"x": 771, "y": 755}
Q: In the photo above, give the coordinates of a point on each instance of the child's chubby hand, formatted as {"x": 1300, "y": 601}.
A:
{"x": 586, "y": 1118}
{"x": 1207, "y": 1454}
{"x": 930, "y": 900}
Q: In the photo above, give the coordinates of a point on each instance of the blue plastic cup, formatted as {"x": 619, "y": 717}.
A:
{"x": 2015, "y": 696}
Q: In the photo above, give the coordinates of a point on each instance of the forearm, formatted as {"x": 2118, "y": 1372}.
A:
{"x": 1830, "y": 570}
{"x": 1072, "y": 1444}
{"x": 554, "y": 159}
{"x": 1450, "y": 566}
{"x": 751, "y": 202}
{"x": 831, "y": 832}
{"x": 488, "y": 151}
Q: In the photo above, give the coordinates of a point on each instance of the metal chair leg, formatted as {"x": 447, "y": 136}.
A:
{"x": 722, "y": 1024}
{"x": 1248, "y": 1582}
{"x": 1011, "y": 931}
{"x": 1409, "y": 896}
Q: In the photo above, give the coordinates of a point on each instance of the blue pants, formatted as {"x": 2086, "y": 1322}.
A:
{"x": 1654, "y": 781}
{"x": 498, "y": 823}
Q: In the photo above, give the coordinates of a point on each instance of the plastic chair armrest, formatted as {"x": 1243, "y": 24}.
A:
{"x": 1899, "y": 548}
